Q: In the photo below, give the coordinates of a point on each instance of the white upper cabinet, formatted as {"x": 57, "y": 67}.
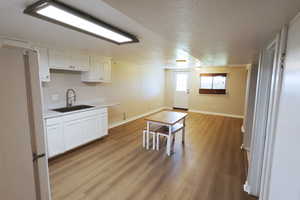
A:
{"x": 64, "y": 60}
{"x": 58, "y": 60}
{"x": 100, "y": 70}
{"x": 96, "y": 69}
{"x": 80, "y": 61}
{"x": 43, "y": 60}
{"x": 107, "y": 71}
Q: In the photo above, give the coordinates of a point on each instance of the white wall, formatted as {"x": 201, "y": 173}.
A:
{"x": 138, "y": 89}
{"x": 285, "y": 175}
{"x": 229, "y": 104}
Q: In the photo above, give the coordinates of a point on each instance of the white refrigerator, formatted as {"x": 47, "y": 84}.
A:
{"x": 23, "y": 163}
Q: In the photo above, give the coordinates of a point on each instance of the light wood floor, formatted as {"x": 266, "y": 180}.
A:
{"x": 208, "y": 167}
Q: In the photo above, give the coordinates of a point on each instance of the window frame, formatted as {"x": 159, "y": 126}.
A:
{"x": 213, "y": 91}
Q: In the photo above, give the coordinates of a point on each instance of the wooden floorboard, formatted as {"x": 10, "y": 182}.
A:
{"x": 208, "y": 167}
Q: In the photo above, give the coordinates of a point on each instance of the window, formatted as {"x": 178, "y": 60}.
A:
{"x": 181, "y": 82}
{"x": 213, "y": 83}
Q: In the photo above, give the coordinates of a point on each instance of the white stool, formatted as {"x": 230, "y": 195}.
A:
{"x": 170, "y": 135}
{"x": 152, "y": 132}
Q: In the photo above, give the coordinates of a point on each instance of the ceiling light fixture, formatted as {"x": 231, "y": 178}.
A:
{"x": 62, "y": 14}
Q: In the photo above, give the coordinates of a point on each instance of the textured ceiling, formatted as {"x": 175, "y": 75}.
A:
{"x": 215, "y": 32}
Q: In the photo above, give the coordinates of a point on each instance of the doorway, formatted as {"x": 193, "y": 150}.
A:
{"x": 181, "y": 90}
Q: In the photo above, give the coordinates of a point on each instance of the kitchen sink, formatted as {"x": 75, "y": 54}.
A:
{"x": 72, "y": 108}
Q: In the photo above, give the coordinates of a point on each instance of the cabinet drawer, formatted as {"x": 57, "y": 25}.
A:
{"x": 53, "y": 121}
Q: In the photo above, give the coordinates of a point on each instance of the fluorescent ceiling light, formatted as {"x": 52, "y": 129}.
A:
{"x": 62, "y": 14}
{"x": 70, "y": 19}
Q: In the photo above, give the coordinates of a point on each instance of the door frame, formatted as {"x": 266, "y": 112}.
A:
{"x": 263, "y": 134}
{"x": 273, "y": 109}
{"x": 174, "y": 86}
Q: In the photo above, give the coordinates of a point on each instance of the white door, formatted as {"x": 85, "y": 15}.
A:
{"x": 21, "y": 128}
{"x": 261, "y": 116}
{"x": 181, "y": 90}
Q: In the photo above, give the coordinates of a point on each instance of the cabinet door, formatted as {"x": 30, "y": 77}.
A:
{"x": 97, "y": 71}
{"x": 100, "y": 70}
{"x": 91, "y": 128}
{"x": 104, "y": 124}
{"x": 107, "y": 71}
{"x": 73, "y": 134}
{"x": 80, "y": 62}
{"x": 55, "y": 139}
{"x": 43, "y": 64}
{"x": 84, "y": 62}
{"x": 59, "y": 60}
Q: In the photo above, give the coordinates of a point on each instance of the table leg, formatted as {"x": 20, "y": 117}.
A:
{"x": 147, "y": 135}
{"x": 144, "y": 138}
{"x": 154, "y": 141}
{"x": 169, "y": 141}
{"x": 183, "y": 132}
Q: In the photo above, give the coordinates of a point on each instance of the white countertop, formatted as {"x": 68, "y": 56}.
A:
{"x": 51, "y": 114}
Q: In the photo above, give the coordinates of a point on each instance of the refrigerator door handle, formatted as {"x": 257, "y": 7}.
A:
{"x": 36, "y": 156}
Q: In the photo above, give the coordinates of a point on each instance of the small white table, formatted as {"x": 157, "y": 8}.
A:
{"x": 169, "y": 119}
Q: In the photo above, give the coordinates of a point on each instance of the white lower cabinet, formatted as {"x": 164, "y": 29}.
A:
{"x": 104, "y": 124}
{"x": 73, "y": 130}
{"x": 91, "y": 128}
{"x": 73, "y": 134}
{"x": 55, "y": 137}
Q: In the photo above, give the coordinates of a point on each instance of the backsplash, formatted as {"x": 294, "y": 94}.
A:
{"x": 137, "y": 89}
{"x": 54, "y": 92}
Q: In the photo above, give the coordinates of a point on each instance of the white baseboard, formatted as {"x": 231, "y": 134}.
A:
{"x": 162, "y": 108}
{"x": 245, "y": 148}
{"x": 247, "y": 187}
{"x": 220, "y": 114}
{"x": 134, "y": 118}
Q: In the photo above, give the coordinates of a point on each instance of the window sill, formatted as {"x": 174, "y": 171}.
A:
{"x": 212, "y": 91}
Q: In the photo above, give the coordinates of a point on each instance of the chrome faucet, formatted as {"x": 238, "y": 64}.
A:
{"x": 72, "y": 98}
